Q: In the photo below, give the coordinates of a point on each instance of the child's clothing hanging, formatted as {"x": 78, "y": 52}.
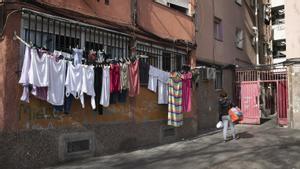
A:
{"x": 77, "y": 55}
{"x": 175, "y": 116}
{"x": 124, "y": 76}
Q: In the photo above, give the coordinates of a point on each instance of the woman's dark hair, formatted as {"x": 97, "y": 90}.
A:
{"x": 223, "y": 94}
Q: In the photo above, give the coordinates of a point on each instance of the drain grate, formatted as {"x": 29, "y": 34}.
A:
{"x": 77, "y": 146}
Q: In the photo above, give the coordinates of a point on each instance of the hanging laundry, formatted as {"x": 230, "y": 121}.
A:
{"x": 24, "y": 79}
{"x": 56, "y": 89}
{"x": 100, "y": 56}
{"x": 92, "y": 56}
{"x": 105, "y": 93}
{"x": 74, "y": 80}
{"x": 186, "y": 92}
{"x": 98, "y": 88}
{"x": 134, "y": 79}
{"x": 175, "y": 116}
{"x": 40, "y": 92}
{"x": 163, "y": 78}
{"x": 153, "y": 77}
{"x": 39, "y": 67}
{"x": 124, "y": 75}
{"x": 114, "y": 78}
{"x": 88, "y": 78}
{"x": 77, "y": 55}
{"x": 144, "y": 72}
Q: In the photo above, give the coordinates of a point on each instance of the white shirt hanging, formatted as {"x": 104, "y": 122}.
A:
{"x": 153, "y": 76}
{"x": 163, "y": 87}
{"x": 24, "y": 79}
{"x": 77, "y": 55}
{"x": 38, "y": 72}
{"x": 105, "y": 94}
{"x": 74, "y": 80}
{"x": 56, "y": 88}
{"x": 88, "y": 85}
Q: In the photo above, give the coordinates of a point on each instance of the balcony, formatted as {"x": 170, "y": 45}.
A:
{"x": 278, "y": 32}
{"x": 276, "y": 3}
{"x": 164, "y": 22}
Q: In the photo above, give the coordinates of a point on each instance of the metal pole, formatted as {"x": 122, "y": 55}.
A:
{"x": 257, "y": 32}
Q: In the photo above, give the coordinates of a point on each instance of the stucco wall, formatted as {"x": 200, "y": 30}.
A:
{"x": 225, "y": 51}
{"x": 118, "y": 11}
{"x": 164, "y": 22}
{"x": 292, "y": 8}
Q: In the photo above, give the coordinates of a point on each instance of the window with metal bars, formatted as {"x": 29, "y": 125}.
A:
{"x": 58, "y": 33}
{"x": 167, "y": 59}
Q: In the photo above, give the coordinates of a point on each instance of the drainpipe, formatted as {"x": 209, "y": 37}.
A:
{"x": 256, "y": 35}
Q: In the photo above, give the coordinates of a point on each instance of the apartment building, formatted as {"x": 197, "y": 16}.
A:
{"x": 278, "y": 28}
{"x": 230, "y": 35}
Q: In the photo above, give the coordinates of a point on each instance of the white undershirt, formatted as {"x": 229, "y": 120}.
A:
{"x": 88, "y": 85}
{"x": 74, "y": 80}
{"x": 105, "y": 94}
{"x": 38, "y": 72}
{"x": 56, "y": 88}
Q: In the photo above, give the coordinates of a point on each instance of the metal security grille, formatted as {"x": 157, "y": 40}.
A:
{"x": 261, "y": 90}
{"x": 57, "y": 33}
{"x": 163, "y": 58}
{"x": 261, "y": 75}
{"x": 76, "y": 146}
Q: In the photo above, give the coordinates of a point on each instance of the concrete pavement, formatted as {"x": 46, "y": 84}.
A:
{"x": 260, "y": 147}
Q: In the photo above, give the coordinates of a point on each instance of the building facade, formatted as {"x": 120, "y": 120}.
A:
{"x": 291, "y": 8}
{"x": 36, "y": 135}
{"x": 225, "y": 36}
{"x": 278, "y": 28}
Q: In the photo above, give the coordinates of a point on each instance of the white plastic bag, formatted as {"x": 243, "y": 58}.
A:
{"x": 219, "y": 125}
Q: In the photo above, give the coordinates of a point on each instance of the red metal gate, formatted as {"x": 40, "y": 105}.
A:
{"x": 250, "y": 102}
{"x": 282, "y": 102}
{"x": 248, "y": 92}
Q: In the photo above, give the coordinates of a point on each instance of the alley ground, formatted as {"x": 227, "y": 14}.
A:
{"x": 260, "y": 147}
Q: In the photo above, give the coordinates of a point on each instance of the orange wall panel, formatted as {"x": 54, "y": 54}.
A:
{"x": 118, "y": 10}
{"x": 164, "y": 22}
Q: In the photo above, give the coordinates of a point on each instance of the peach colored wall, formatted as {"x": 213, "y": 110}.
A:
{"x": 225, "y": 51}
{"x": 117, "y": 11}
{"x": 164, "y": 22}
{"x": 10, "y": 56}
{"x": 292, "y": 15}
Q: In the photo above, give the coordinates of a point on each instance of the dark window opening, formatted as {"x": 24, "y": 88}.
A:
{"x": 64, "y": 43}
{"x": 1, "y": 18}
{"x": 166, "y": 64}
{"x": 76, "y": 146}
{"x": 219, "y": 80}
{"x": 178, "y": 62}
{"x": 178, "y": 8}
{"x": 218, "y": 29}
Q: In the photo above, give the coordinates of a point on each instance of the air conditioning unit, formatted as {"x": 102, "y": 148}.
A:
{"x": 210, "y": 73}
